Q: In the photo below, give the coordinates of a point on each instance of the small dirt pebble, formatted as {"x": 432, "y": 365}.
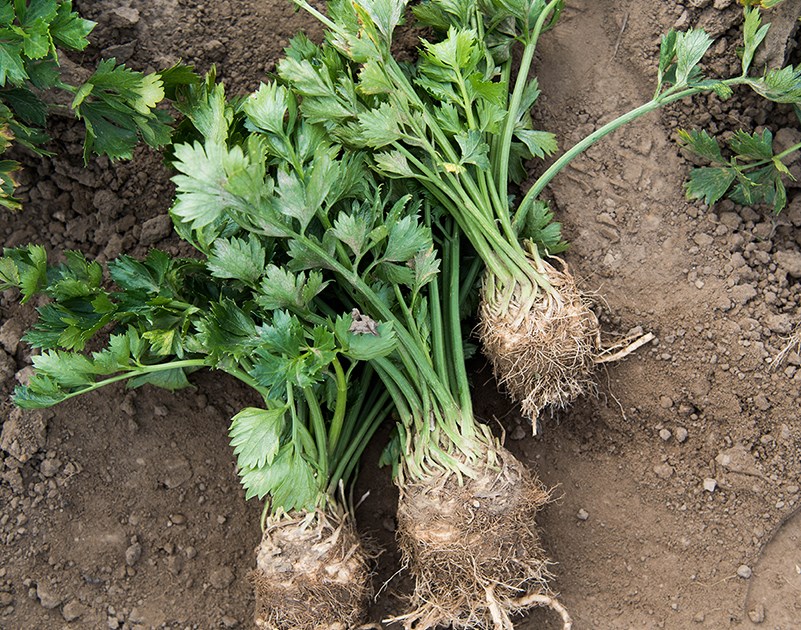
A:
{"x": 50, "y": 467}
{"x": 23, "y": 433}
{"x": 664, "y": 471}
{"x": 665, "y": 434}
{"x": 666, "y": 402}
{"x": 73, "y": 610}
{"x": 132, "y": 554}
{"x": 744, "y": 571}
{"x": 681, "y": 435}
{"x": 48, "y": 598}
{"x": 221, "y": 578}
{"x": 155, "y": 229}
{"x": 757, "y": 615}
{"x": 6, "y": 599}
{"x": 582, "y": 515}
{"x": 10, "y": 335}
{"x": 710, "y": 484}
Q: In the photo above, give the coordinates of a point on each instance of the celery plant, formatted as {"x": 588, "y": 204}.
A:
{"x": 458, "y": 123}
{"x": 263, "y": 170}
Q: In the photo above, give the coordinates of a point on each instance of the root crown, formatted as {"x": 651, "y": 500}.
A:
{"x": 311, "y": 574}
{"x": 473, "y": 549}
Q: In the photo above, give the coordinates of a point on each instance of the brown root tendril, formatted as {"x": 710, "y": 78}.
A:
{"x": 473, "y": 549}
{"x": 311, "y": 574}
{"x": 544, "y": 355}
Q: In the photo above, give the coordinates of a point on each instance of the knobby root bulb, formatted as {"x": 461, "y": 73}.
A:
{"x": 311, "y": 574}
{"x": 473, "y": 549}
{"x": 545, "y": 354}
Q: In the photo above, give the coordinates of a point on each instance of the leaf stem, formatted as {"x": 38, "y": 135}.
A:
{"x": 339, "y": 408}
{"x": 583, "y": 145}
{"x": 138, "y": 371}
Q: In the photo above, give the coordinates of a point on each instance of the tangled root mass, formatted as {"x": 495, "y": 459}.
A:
{"x": 543, "y": 355}
{"x": 311, "y": 574}
{"x": 473, "y": 549}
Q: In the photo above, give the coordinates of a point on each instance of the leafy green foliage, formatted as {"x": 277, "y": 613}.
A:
{"x": 754, "y": 33}
{"x": 752, "y": 175}
{"x": 116, "y": 104}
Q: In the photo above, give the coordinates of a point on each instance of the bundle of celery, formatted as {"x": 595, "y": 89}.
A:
{"x": 263, "y": 172}
{"x": 332, "y": 211}
{"x": 230, "y": 311}
{"x": 458, "y": 123}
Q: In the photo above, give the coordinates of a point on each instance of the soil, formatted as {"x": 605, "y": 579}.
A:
{"x": 677, "y": 485}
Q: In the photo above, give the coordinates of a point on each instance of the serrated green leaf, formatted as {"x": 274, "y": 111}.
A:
{"x": 540, "y": 143}
{"x": 150, "y": 94}
{"x": 780, "y": 85}
{"x": 541, "y": 229}
{"x": 474, "y": 149}
{"x": 11, "y": 67}
{"x": 448, "y": 118}
{"x": 393, "y": 164}
{"x": 69, "y": 30}
{"x": 284, "y": 336}
{"x": 754, "y": 146}
{"x": 709, "y": 183}
{"x": 24, "y": 268}
{"x": 281, "y": 289}
{"x": 256, "y": 435}
{"x": 385, "y": 14}
{"x": 163, "y": 342}
{"x": 238, "y": 259}
{"x": 293, "y": 203}
{"x": 491, "y": 92}
{"x": 67, "y": 369}
{"x": 406, "y": 238}
{"x": 267, "y": 107}
{"x": 27, "y": 106}
{"x": 170, "y": 380}
{"x": 373, "y": 79}
{"x": 228, "y": 330}
{"x": 364, "y": 346}
{"x": 667, "y": 52}
{"x": 36, "y": 43}
{"x": 289, "y": 480}
{"x": 723, "y": 91}
{"x": 425, "y": 265}
{"x": 379, "y": 127}
{"x": 530, "y": 95}
{"x": 458, "y": 51}
{"x": 41, "y": 392}
{"x": 352, "y": 229}
{"x": 753, "y": 35}
{"x": 690, "y": 48}
{"x": 132, "y": 275}
{"x": 702, "y": 144}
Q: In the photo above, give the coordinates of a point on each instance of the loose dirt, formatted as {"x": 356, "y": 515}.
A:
{"x": 677, "y": 485}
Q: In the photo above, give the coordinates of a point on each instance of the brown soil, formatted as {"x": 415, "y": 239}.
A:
{"x": 679, "y": 482}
